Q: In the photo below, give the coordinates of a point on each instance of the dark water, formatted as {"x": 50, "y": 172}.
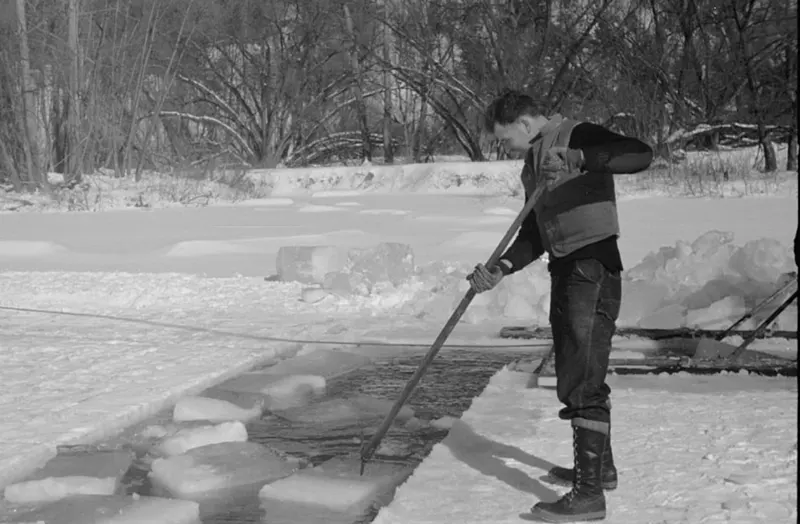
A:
{"x": 447, "y": 389}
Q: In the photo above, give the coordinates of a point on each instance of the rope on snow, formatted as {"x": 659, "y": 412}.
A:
{"x": 256, "y": 337}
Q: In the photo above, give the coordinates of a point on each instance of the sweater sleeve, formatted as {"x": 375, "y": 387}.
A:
{"x": 526, "y": 248}
{"x": 605, "y": 151}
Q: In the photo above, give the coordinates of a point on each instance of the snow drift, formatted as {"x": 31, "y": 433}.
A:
{"x": 708, "y": 283}
{"x": 466, "y": 177}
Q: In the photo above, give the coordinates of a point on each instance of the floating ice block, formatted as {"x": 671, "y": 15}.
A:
{"x": 190, "y": 438}
{"x": 90, "y": 473}
{"x": 345, "y": 411}
{"x": 445, "y": 422}
{"x": 116, "y": 509}
{"x": 294, "y": 390}
{"x": 212, "y": 410}
{"x": 327, "y": 363}
{"x": 281, "y": 392}
{"x": 243, "y": 399}
{"x": 336, "y": 494}
{"x": 337, "y": 486}
{"x": 208, "y": 470}
{"x": 309, "y": 264}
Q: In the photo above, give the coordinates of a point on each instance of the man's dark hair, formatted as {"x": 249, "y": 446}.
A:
{"x": 508, "y": 107}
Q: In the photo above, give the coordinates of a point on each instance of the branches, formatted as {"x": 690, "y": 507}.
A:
{"x": 174, "y": 81}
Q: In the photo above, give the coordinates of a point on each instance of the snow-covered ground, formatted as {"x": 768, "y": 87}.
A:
{"x": 107, "y": 317}
{"x": 716, "y": 449}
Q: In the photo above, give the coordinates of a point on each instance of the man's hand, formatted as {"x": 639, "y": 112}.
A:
{"x": 483, "y": 279}
{"x": 562, "y": 159}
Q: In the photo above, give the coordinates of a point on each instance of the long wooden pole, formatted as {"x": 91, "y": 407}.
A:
{"x": 369, "y": 447}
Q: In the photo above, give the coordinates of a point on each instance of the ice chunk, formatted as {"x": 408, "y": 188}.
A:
{"x": 216, "y": 468}
{"x": 445, "y": 422}
{"x": 343, "y": 283}
{"x": 650, "y": 266}
{"x": 90, "y": 473}
{"x": 668, "y": 317}
{"x": 309, "y": 264}
{"x": 294, "y": 390}
{"x": 708, "y": 243}
{"x": 243, "y": 399}
{"x": 335, "y": 494}
{"x": 416, "y": 424}
{"x": 639, "y": 299}
{"x": 763, "y": 260}
{"x": 327, "y": 363}
{"x": 686, "y": 265}
{"x": 212, "y": 410}
{"x": 115, "y": 509}
{"x": 386, "y": 262}
{"x": 345, "y": 411}
{"x": 711, "y": 292}
{"x": 281, "y": 392}
{"x": 190, "y": 438}
{"x": 335, "y": 486}
{"x": 718, "y": 315}
{"x": 312, "y": 295}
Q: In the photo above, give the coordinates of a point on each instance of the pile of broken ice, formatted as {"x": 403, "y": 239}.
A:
{"x": 345, "y": 271}
{"x": 706, "y": 284}
{"x": 203, "y": 452}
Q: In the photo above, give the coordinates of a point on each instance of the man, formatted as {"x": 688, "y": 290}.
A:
{"x": 569, "y": 168}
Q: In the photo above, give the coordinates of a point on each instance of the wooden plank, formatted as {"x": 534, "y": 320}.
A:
{"x": 525, "y": 332}
{"x": 757, "y": 363}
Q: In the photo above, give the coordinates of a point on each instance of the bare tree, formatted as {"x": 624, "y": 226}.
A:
{"x": 358, "y": 84}
{"x": 29, "y": 124}
{"x": 73, "y": 167}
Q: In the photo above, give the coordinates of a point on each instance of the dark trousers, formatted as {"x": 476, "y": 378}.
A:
{"x": 584, "y": 306}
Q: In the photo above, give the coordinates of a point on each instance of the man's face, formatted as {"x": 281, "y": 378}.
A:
{"x": 516, "y": 136}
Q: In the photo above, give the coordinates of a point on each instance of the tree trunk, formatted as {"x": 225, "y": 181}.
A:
{"x": 361, "y": 107}
{"x": 73, "y": 171}
{"x": 790, "y": 61}
{"x": 29, "y": 120}
{"x": 791, "y": 155}
{"x": 419, "y": 129}
{"x": 770, "y": 158}
{"x": 388, "y": 152}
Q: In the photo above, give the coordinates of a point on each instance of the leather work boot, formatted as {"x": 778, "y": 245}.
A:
{"x": 566, "y": 476}
{"x": 586, "y": 500}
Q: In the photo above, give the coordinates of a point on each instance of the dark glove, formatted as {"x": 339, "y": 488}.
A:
{"x": 483, "y": 279}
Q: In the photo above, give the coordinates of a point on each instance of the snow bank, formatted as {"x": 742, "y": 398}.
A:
{"x": 708, "y": 283}
{"x": 29, "y": 248}
{"x": 461, "y": 177}
{"x": 267, "y": 202}
{"x": 698, "y": 457}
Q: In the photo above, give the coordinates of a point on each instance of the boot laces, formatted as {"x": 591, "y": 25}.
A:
{"x": 575, "y": 461}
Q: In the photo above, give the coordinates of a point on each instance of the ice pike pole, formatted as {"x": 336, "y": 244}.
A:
{"x": 368, "y": 448}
